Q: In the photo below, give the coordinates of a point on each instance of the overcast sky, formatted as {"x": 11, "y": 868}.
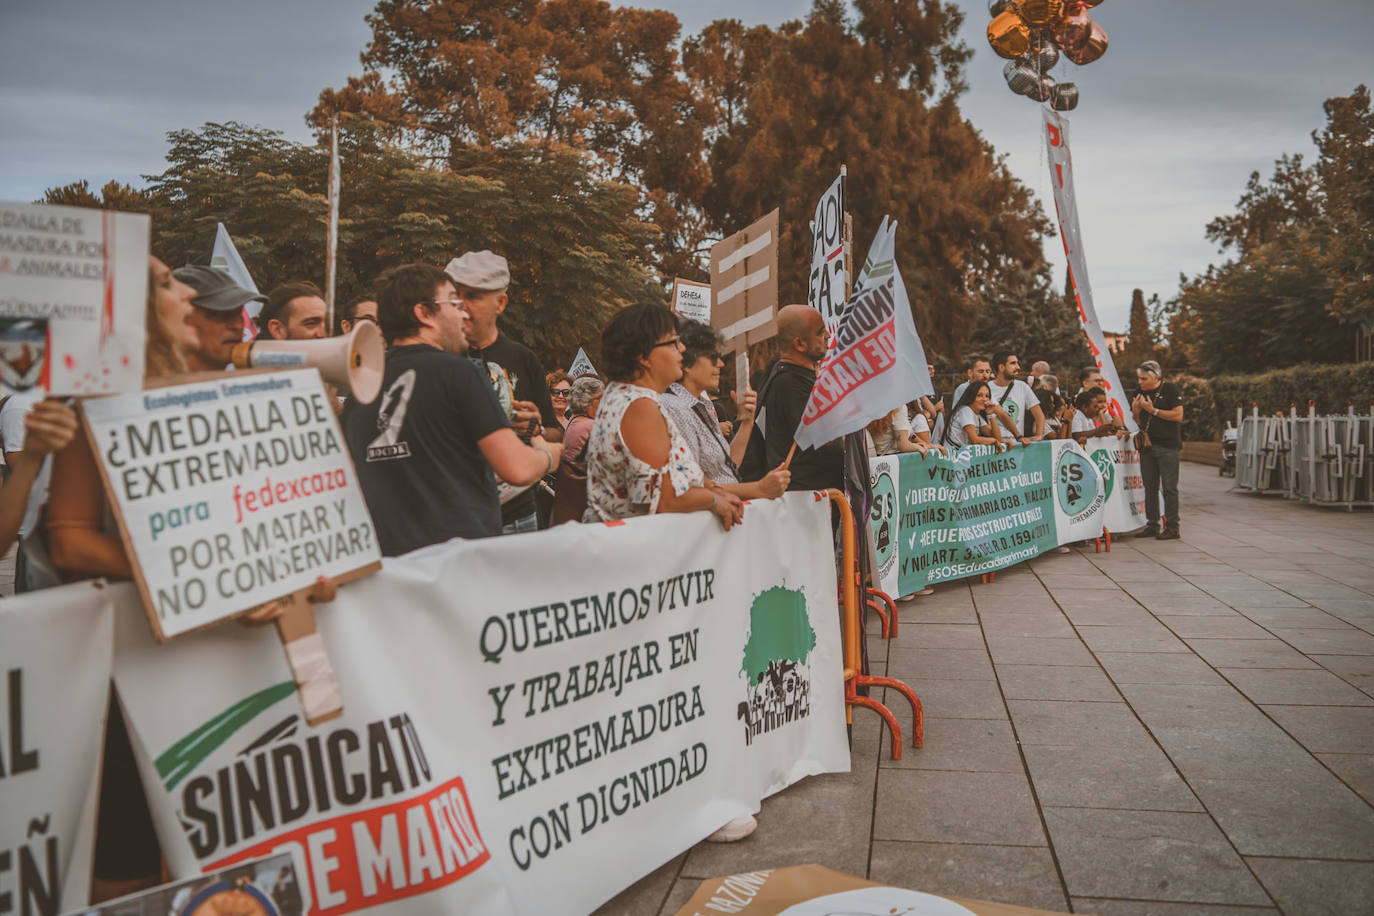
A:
{"x": 1191, "y": 97}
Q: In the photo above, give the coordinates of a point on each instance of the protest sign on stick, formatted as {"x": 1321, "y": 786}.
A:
{"x": 744, "y": 284}
{"x": 73, "y": 292}
{"x": 692, "y": 300}
{"x": 231, "y": 493}
{"x": 828, "y": 287}
{"x": 581, "y": 365}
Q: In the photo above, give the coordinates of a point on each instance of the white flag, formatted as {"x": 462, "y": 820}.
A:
{"x": 877, "y": 361}
{"x": 225, "y": 257}
{"x": 1066, "y": 206}
{"x": 826, "y": 289}
{"x": 581, "y": 365}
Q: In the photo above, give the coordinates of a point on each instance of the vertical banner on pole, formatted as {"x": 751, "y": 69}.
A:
{"x": 1066, "y": 206}
{"x": 828, "y": 287}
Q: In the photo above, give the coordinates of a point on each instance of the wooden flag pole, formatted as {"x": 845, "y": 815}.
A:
{"x": 790, "y": 452}
{"x": 332, "y": 231}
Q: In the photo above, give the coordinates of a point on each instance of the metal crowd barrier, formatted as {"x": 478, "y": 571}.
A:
{"x": 1327, "y": 461}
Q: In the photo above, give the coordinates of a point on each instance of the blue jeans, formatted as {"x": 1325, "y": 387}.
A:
{"x": 522, "y": 525}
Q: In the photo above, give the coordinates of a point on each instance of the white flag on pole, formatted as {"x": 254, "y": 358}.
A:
{"x": 1066, "y": 206}
{"x": 225, "y": 257}
{"x": 581, "y": 365}
{"x": 877, "y": 361}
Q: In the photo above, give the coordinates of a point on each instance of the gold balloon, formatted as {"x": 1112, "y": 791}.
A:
{"x": 1009, "y": 36}
{"x": 1074, "y": 27}
{"x": 1040, "y": 13}
{"x": 1090, "y": 50}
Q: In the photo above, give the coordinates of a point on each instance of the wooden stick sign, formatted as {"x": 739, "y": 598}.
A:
{"x": 744, "y": 284}
{"x": 231, "y": 493}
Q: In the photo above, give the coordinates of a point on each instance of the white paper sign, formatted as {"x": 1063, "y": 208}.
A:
{"x": 73, "y": 295}
{"x": 581, "y": 365}
{"x": 692, "y": 300}
{"x": 826, "y": 289}
{"x": 231, "y": 492}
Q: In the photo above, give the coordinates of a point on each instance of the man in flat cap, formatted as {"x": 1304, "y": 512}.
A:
{"x": 481, "y": 279}
{"x": 217, "y": 315}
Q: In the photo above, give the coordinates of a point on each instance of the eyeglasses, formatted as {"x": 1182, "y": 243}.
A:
{"x": 670, "y": 342}
{"x": 560, "y": 392}
{"x": 456, "y": 303}
{"x": 358, "y": 318}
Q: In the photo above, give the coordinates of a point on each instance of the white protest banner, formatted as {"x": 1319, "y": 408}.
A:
{"x": 512, "y": 743}
{"x": 826, "y": 287}
{"x": 224, "y": 256}
{"x": 73, "y": 294}
{"x": 230, "y": 493}
{"x": 1066, "y": 207}
{"x": 877, "y": 361}
{"x": 56, "y": 649}
{"x": 1124, "y": 489}
{"x": 692, "y": 300}
{"x": 744, "y": 284}
{"x": 581, "y": 365}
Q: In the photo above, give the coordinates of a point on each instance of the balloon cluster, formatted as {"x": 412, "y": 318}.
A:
{"x": 1032, "y": 34}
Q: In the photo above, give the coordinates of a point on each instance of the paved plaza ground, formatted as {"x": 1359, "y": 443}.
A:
{"x": 1179, "y": 727}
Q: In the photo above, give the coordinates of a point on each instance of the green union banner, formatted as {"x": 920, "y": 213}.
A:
{"x": 936, "y": 519}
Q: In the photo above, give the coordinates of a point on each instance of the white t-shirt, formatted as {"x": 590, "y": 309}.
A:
{"x": 919, "y": 423}
{"x": 1082, "y": 423}
{"x": 12, "y": 433}
{"x": 1018, "y": 404}
{"x": 964, "y": 416}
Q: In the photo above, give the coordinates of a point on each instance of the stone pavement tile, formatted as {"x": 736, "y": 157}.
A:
{"x": 1307, "y": 617}
{"x": 1099, "y": 907}
{"x": 1021, "y": 875}
{"x": 1357, "y": 669}
{"x": 951, "y": 699}
{"x": 1317, "y": 817}
{"x": 1107, "y": 777}
{"x": 1184, "y": 605}
{"x": 1187, "y": 705}
{"x": 1303, "y": 887}
{"x": 1040, "y": 623}
{"x": 1181, "y": 588}
{"x": 1157, "y": 668}
{"x": 682, "y": 891}
{"x": 1149, "y": 855}
{"x": 1328, "y": 729}
{"x": 1093, "y": 597}
{"x": 1089, "y": 578}
{"x": 1250, "y": 653}
{"x": 1355, "y": 770}
{"x": 969, "y": 745}
{"x": 1232, "y": 626}
{"x": 1014, "y": 650}
{"x": 1327, "y": 641}
{"x": 1153, "y": 637}
{"x": 1056, "y": 682}
{"x": 930, "y": 609}
{"x": 1211, "y": 751}
{"x": 1077, "y": 724}
{"x": 938, "y": 806}
{"x": 942, "y": 636}
{"x": 646, "y": 895}
{"x": 1252, "y": 598}
{"x": 787, "y": 833}
{"x": 959, "y": 664}
{"x": 1295, "y": 687}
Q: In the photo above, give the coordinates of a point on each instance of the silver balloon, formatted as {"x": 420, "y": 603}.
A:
{"x": 1042, "y": 89}
{"x": 1021, "y": 79}
{"x": 1045, "y": 57}
{"x": 1064, "y": 97}
{"x": 997, "y": 7}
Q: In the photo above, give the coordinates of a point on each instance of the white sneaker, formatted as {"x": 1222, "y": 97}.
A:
{"x": 734, "y": 830}
{"x": 1061, "y": 550}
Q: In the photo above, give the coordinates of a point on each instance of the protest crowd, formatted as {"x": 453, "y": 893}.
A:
{"x": 471, "y": 437}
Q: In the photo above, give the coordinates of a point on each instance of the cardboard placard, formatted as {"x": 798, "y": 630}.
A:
{"x": 692, "y": 300}
{"x": 229, "y": 493}
{"x": 744, "y": 284}
{"x": 73, "y": 292}
{"x": 828, "y": 284}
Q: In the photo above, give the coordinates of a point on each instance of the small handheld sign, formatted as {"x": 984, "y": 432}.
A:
{"x": 231, "y": 493}
{"x": 692, "y": 300}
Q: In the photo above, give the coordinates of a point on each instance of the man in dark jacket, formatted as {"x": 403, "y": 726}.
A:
{"x": 802, "y": 333}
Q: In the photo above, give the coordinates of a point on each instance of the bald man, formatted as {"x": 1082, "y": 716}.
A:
{"x": 802, "y": 334}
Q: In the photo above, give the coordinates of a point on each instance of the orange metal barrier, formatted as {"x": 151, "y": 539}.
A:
{"x": 885, "y": 608}
{"x": 853, "y": 661}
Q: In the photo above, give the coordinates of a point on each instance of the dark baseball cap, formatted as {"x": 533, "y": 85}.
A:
{"x": 215, "y": 290}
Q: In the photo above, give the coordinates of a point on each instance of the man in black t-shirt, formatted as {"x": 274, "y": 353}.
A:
{"x": 482, "y": 279}
{"x": 1158, "y": 411}
{"x": 425, "y": 449}
{"x": 802, "y": 333}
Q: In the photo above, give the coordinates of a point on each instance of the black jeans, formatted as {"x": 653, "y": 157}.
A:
{"x": 1159, "y": 468}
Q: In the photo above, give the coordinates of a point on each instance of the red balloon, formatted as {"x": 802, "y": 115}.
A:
{"x": 1073, "y": 28}
{"x": 1090, "y": 50}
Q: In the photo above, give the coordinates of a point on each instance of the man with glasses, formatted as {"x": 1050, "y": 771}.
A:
{"x": 426, "y": 448}
{"x": 360, "y": 308}
{"x": 482, "y": 281}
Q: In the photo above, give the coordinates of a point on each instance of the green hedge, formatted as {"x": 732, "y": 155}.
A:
{"x": 1199, "y": 417}
{"x": 1331, "y": 386}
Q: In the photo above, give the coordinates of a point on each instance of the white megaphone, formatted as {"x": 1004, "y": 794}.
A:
{"x": 353, "y": 363}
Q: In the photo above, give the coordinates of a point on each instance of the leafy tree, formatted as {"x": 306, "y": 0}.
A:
{"x": 1035, "y": 322}
{"x": 1345, "y": 173}
{"x": 1140, "y": 339}
{"x": 113, "y": 196}
{"x": 574, "y": 244}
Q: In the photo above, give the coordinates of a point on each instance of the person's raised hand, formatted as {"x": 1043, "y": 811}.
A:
{"x": 727, "y": 507}
{"x": 776, "y": 482}
{"x": 49, "y": 427}
{"x": 748, "y": 403}
{"x": 726, "y": 427}
{"x": 525, "y": 414}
